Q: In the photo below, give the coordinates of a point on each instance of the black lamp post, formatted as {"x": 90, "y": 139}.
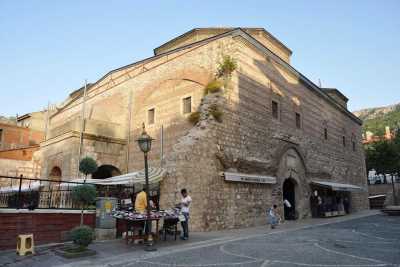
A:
{"x": 144, "y": 142}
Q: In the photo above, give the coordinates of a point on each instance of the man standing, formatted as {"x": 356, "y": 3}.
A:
{"x": 185, "y": 206}
{"x": 141, "y": 202}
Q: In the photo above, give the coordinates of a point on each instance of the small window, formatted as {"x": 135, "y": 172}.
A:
{"x": 298, "y": 120}
{"x": 1, "y": 135}
{"x": 354, "y": 146}
{"x": 326, "y": 134}
{"x": 187, "y": 105}
{"x": 151, "y": 116}
{"x": 275, "y": 110}
{"x": 344, "y": 140}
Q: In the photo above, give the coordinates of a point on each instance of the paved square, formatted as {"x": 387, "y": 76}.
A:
{"x": 370, "y": 241}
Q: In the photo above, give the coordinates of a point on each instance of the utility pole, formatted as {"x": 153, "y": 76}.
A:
{"x": 82, "y": 128}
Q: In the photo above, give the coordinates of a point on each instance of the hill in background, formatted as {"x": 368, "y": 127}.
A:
{"x": 376, "y": 119}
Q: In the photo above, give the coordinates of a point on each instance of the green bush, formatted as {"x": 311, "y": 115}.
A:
{"x": 194, "y": 117}
{"x": 213, "y": 87}
{"x": 227, "y": 66}
{"x": 87, "y": 166}
{"x": 216, "y": 112}
{"x": 82, "y": 235}
{"x": 84, "y": 194}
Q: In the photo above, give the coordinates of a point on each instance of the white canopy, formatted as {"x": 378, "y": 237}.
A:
{"x": 34, "y": 185}
{"x": 133, "y": 178}
{"x": 337, "y": 186}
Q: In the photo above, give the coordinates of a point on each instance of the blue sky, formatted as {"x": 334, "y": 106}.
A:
{"x": 48, "y": 48}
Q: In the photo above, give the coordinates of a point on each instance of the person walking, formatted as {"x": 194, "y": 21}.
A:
{"x": 273, "y": 216}
{"x": 185, "y": 207}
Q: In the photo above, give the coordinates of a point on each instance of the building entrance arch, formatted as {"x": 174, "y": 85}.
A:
{"x": 106, "y": 171}
{"x": 289, "y": 198}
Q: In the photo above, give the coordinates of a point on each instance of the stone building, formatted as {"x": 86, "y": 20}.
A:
{"x": 277, "y": 128}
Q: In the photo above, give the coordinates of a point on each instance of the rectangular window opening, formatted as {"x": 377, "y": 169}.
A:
{"x": 187, "y": 105}
{"x": 275, "y": 110}
{"x": 151, "y": 116}
{"x": 354, "y": 146}
{"x": 344, "y": 140}
{"x": 326, "y": 134}
{"x": 298, "y": 120}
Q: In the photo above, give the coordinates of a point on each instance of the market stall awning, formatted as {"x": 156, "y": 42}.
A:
{"x": 133, "y": 178}
{"x": 337, "y": 186}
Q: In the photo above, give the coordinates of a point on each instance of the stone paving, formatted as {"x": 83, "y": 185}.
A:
{"x": 367, "y": 239}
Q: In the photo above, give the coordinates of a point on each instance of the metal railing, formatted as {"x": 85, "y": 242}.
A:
{"x": 32, "y": 193}
{"x": 36, "y": 193}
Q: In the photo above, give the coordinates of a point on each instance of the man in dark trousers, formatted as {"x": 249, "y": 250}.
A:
{"x": 185, "y": 206}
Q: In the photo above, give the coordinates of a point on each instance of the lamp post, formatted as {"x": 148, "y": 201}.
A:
{"x": 144, "y": 142}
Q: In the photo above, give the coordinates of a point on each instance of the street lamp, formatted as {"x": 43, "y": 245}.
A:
{"x": 144, "y": 142}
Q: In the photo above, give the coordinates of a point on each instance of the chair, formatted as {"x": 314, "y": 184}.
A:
{"x": 170, "y": 226}
{"x": 25, "y": 244}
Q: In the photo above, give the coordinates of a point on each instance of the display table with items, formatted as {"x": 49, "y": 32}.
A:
{"x": 134, "y": 223}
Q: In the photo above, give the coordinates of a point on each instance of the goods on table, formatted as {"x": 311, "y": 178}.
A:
{"x": 135, "y": 216}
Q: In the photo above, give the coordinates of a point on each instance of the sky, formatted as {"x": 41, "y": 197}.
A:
{"x": 49, "y": 48}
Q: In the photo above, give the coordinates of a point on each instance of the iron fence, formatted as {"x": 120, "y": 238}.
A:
{"x": 32, "y": 193}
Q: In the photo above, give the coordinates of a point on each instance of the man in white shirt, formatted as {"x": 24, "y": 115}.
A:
{"x": 185, "y": 206}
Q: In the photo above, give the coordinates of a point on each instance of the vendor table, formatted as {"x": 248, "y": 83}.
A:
{"x": 138, "y": 225}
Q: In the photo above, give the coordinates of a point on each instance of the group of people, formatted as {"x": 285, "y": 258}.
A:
{"x": 186, "y": 200}
{"x": 327, "y": 203}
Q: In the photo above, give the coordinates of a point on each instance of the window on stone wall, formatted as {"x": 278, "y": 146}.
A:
{"x": 326, "y": 134}
{"x": 354, "y": 146}
{"x": 298, "y": 120}
{"x": 151, "y": 113}
{"x": 275, "y": 110}
{"x": 187, "y": 105}
{"x": 1, "y": 135}
{"x": 344, "y": 140}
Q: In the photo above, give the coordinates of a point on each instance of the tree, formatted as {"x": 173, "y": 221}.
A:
{"x": 384, "y": 157}
{"x": 85, "y": 195}
{"x": 87, "y": 166}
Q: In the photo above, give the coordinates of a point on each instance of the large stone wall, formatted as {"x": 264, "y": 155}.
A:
{"x": 248, "y": 140}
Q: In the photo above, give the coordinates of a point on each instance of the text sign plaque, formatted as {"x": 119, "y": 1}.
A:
{"x": 248, "y": 178}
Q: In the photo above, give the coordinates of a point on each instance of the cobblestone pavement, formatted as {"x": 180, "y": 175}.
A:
{"x": 371, "y": 241}
{"x": 365, "y": 241}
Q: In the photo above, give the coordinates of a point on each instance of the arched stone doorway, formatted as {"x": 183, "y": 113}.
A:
{"x": 292, "y": 184}
{"x": 289, "y": 196}
{"x": 106, "y": 171}
{"x": 55, "y": 173}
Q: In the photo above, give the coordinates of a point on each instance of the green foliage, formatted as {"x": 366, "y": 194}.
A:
{"x": 216, "y": 112}
{"x": 213, "y": 87}
{"x": 87, "y": 166}
{"x": 84, "y": 194}
{"x": 377, "y": 125}
{"x": 82, "y": 235}
{"x": 194, "y": 117}
{"x": 383, "y": 157}
{"x": 227, "y": 66}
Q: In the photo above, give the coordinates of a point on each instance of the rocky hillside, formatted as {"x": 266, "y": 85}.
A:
{"x": 8, "y": 120}
{"x": 376, "y": 119}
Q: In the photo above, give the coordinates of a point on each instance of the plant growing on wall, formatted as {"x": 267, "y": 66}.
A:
{"x": 87, "y": 166}
{"x": 213, "y": 87}
{"x": 84, "y": 195}
{"x": 194, "y": 117}
{"x": 216, "y": 112}
{"x": 226, "y": 67}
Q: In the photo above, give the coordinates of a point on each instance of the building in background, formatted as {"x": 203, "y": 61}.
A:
{"x": 280, "y": 136}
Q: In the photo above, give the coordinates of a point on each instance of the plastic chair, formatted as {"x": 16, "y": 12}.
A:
{"x": 25, "y": 244}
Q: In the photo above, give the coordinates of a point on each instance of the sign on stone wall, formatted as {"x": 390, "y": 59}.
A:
{"x": 248, "y": 178}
